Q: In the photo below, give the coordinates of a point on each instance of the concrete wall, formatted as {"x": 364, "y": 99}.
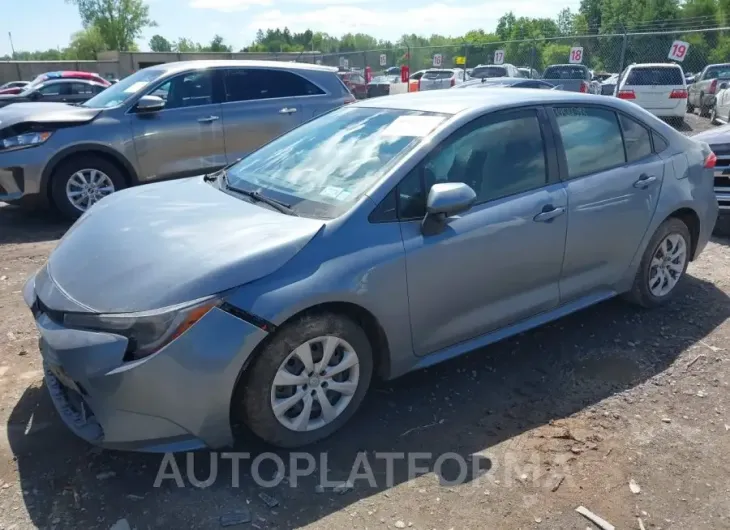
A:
{"x": 121, "y": 64}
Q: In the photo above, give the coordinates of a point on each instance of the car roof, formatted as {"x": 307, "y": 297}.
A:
{"x": 199, "y": 65}
{"x": 655, "y": 65}
{"x": 456, "y": 101}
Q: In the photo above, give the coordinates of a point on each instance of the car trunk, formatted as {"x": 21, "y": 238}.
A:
{"x": 436, "y": 80}
{"x": 653, "y": 87}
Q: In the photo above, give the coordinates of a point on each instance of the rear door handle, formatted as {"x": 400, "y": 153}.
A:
{"x": 549, "y": 213}
{"x": 644, "y": 181}
{"x": 209, "y": 119}
{"x": 288, "y": 110}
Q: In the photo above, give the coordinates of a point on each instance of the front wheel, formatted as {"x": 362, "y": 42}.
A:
{"x": 307, "y": 382}
{"x": 82, "y": 181}
{"x": 663, "y": 264}
{"x": 713, "y": 115}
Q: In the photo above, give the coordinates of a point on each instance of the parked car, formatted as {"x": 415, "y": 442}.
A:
{"x": 393, "y": 71}
{"x": 413, "y": 80}
{"x": 601, "y": 76}
{"x": 276, "y": 291}
{"x": 356, "y": 83}
{"x": 438, "y": 78}
{"x": 55, "y": 90}
{"x": 501, "y": 82}
{"x": 572, "y": 77}
{"x": 719, "y": 141}
{"x": 702, "y": 91}
{"x": 166, "y": 121}
{"x": 608, "y": 87}
{"x": 380, "y": 85}
{"x": 63, "y": 74}
{"x": 529, "y": 73}
{"x": 13, "y": 87}
{"x": 720, "y": 111}
{"x": 689, "y": 78}
{"x": 495, "y": 70}
{"x": 659, "y": 88}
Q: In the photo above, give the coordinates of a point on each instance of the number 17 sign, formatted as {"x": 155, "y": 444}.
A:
{"x": 679, "y": 50}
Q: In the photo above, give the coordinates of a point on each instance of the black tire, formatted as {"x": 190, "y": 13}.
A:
{"x": 252, "y": 399}
{"x": 713, "y": 115}
{"x": 690, "y": 108}
{"x": 704, "y": 110}
{"x": 640, "y": 293}
{"x": 66, "y": 169}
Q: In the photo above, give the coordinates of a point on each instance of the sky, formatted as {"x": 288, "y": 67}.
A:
{"x": 238, "y": 20}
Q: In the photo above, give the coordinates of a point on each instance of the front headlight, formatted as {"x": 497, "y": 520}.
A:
{"x": 25, "y": 140}
{"x": 147, "y": 331}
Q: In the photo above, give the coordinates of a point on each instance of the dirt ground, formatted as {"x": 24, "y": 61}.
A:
{"x": 620, "y": 410}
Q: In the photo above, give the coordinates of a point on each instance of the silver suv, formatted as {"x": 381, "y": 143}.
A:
{"x": 167, "y": 121}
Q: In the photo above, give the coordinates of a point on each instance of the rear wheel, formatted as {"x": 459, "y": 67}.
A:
{"x": 704, "y": 109}
{"x": 663, "y": 264}
{"x": 79, "y": 183}
{"x": 307, "y": 382}
{"x": 713, "y": 115}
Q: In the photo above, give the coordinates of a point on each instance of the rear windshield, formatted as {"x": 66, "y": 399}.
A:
{"x": 565, "y": 72}
{"x": 718, "y": 72}
{"x": 489, "y": 71}
{"x": 655, "y": 76}
{"x": 438, "y": 74}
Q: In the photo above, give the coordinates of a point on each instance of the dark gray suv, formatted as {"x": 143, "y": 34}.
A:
{"x": 169, "y": 121}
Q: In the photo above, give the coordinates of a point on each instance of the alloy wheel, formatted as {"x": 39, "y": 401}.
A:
{"x": 667, "y": 265}
{"x": 315, "y": 383}
{"x": 87, "y": 187}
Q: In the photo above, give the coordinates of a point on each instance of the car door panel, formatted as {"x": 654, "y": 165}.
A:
{"x": 490, "y": 268}
{"x": 609, "y": 210}
{"x": 184, "y": 139}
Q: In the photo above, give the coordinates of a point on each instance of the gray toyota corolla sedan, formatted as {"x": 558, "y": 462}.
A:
{"x": 380, "y": 238}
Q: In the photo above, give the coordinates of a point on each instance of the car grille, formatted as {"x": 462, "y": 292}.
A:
{"x": 722, "y": 177}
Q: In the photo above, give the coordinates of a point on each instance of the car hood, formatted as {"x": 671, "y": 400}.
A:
{"x": 164, "y": 244}
{"x": 718, "y": 135}
{"x": 50, "y": 113}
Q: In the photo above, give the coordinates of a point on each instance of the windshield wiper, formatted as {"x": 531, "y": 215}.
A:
{"x": 258, "y": 197}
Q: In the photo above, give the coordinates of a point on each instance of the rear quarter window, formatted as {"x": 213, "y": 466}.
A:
{"x": 438, "y": 75}
{"x": 655, "y": 76}
{"x": 489, "y": 71}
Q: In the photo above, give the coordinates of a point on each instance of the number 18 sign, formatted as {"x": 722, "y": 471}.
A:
{"x": 679, "y": 50}
{"x": 576, "y": 55}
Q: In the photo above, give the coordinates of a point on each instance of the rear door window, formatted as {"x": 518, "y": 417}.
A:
{"x": 244, "y": 84}
{"x": 565, "y": 72}
{"x": 591, "y": 139}
{"x": 654, "y": 76}
{"x": 636, "y": 139}
{"x": 489, "y": 71}
{"x": 81, "y": 89}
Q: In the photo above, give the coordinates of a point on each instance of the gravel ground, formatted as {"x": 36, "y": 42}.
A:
{"x": 620, "y": 410}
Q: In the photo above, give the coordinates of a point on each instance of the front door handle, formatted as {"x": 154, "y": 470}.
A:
{"x": 644, "y": 181}
{"x": 549, "y": 213}
{"x": 288, "y": 110}
{"x": 209, "y": 119}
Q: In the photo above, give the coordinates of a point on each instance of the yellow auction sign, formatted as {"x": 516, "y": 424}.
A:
{"x": 460, "y": 60}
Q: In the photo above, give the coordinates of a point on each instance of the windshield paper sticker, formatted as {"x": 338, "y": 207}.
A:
{"x": 412, "y": 126}
{"x": 331, "y": 191}
{"x": 135, "y": 86}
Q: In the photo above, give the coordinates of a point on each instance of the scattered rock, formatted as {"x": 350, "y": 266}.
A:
{"x": 538, "y": 520}
{"x": 22, "y": 352}
{"x": 235, "y": 517}
{"x": 105, "y": 475}
{"x": 667, "y": 420}
{"x": 121, "y": 524}
{"x": 270, "y": 501}
{"x": 558, "y": 482}
{"x": 595, "y": 519}
{"x": 634, "y": 487}
{"x": 319, "y": 488}
{"x": 701, "y": 393}
{"x": 400, "y": 524}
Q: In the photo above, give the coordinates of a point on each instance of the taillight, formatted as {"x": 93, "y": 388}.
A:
{"x": 678, "y": 93}
{"x": 713, "y": 86}
{"x": 583, "y": 87}
{"x": 626, "y": 94}
{"x": 453, "y": 81}
{"x": 711, "y": 160}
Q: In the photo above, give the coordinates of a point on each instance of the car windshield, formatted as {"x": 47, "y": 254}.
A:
{"x": 565, "y": 72}
{"x": 120, "y": 92}
{"x": 718, "y": 72}
{"x": 438, "y": 74}
{"x": 655, "y": 76}
{"x": 488, "y": 71}
{"x": 323, "y": 167}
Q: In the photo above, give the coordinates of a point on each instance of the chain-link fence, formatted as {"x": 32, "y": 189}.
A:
{"x": 609, "y": 53}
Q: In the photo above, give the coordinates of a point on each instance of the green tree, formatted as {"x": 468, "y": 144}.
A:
{"x": 184, "y": 45}
{"x": 158, "y": 43}
{"x": 85, "y": 44}
{"x": 120, "y": 22}
{"x": 216, "y": 45}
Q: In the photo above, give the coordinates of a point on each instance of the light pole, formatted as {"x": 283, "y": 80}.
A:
{"x": 12, "y": 48}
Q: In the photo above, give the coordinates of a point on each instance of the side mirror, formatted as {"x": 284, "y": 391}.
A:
{"x": 445, "y": 200}
{"x": 149, "y": 104}
{"x": 34, "y": 96}
{"x": 722, "y": 86}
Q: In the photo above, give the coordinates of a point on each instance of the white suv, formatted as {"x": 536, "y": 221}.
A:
{"x": 659, "y": 88}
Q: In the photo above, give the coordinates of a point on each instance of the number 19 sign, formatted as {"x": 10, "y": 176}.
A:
{"x": 678, "y": 51}
{"x": 576, "y": 55}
